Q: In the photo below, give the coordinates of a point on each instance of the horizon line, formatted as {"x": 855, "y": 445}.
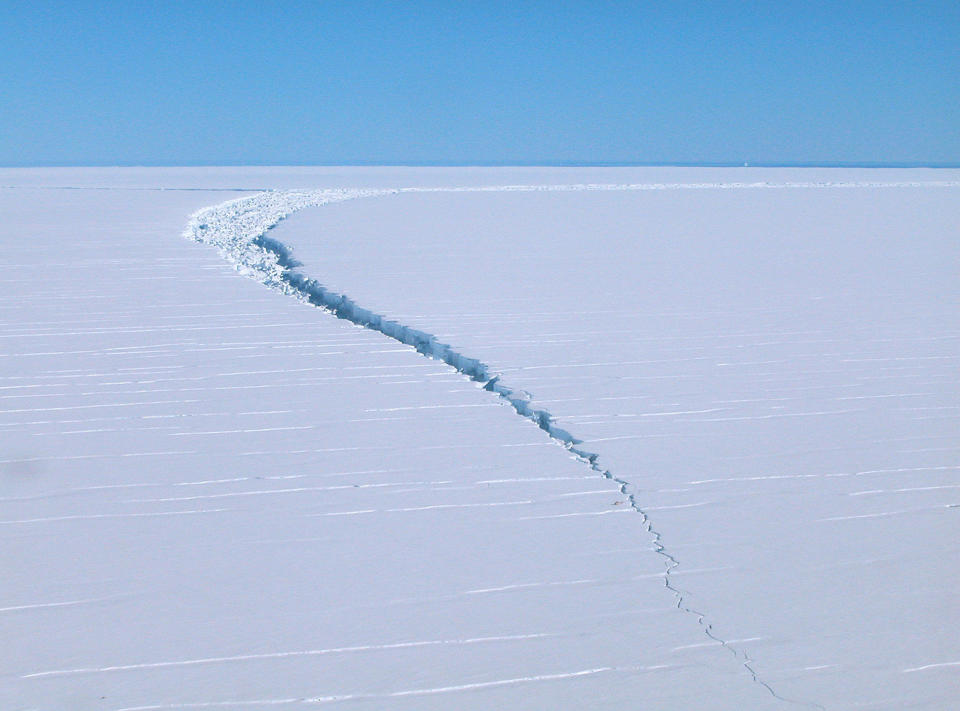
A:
{"x": 512, "y": 164}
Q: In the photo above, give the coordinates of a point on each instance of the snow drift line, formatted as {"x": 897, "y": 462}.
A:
{"x": 238, "y": 228}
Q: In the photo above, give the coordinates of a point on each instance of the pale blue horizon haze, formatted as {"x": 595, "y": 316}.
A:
{"x": 297, "y": 83}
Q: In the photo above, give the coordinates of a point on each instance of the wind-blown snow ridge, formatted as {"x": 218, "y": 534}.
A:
{"x": 238, "y": 228}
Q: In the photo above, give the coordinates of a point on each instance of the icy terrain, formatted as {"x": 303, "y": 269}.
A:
{"x": 683, "y": 438}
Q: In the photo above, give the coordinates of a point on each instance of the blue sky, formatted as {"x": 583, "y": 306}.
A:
{"x": 168, "y": 83}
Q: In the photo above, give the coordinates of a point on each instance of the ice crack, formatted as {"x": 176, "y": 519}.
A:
{"x": 238, "y": 228}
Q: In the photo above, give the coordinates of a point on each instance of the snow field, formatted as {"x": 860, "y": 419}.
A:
{"x": 216, "y": 496}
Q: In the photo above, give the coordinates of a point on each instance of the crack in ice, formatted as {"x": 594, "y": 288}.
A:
{"x": 238, "y": 229}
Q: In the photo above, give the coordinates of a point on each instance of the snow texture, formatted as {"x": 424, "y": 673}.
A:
{"x": 215, "y": 497}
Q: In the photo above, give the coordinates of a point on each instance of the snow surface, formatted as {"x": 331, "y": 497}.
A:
{"x": 732, "y": 483}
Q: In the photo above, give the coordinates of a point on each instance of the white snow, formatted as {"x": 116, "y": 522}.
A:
{"x": 732, "y": 482}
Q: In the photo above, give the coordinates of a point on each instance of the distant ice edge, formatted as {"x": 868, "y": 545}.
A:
{"x": 238, "y": 229}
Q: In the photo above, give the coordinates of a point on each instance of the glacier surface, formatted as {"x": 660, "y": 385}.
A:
{"x": 733, "y": 481}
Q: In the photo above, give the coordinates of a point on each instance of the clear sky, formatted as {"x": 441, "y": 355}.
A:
{"x": 167, "y": 83}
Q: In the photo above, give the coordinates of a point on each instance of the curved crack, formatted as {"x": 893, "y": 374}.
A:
{"x": 238, "y": 228}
